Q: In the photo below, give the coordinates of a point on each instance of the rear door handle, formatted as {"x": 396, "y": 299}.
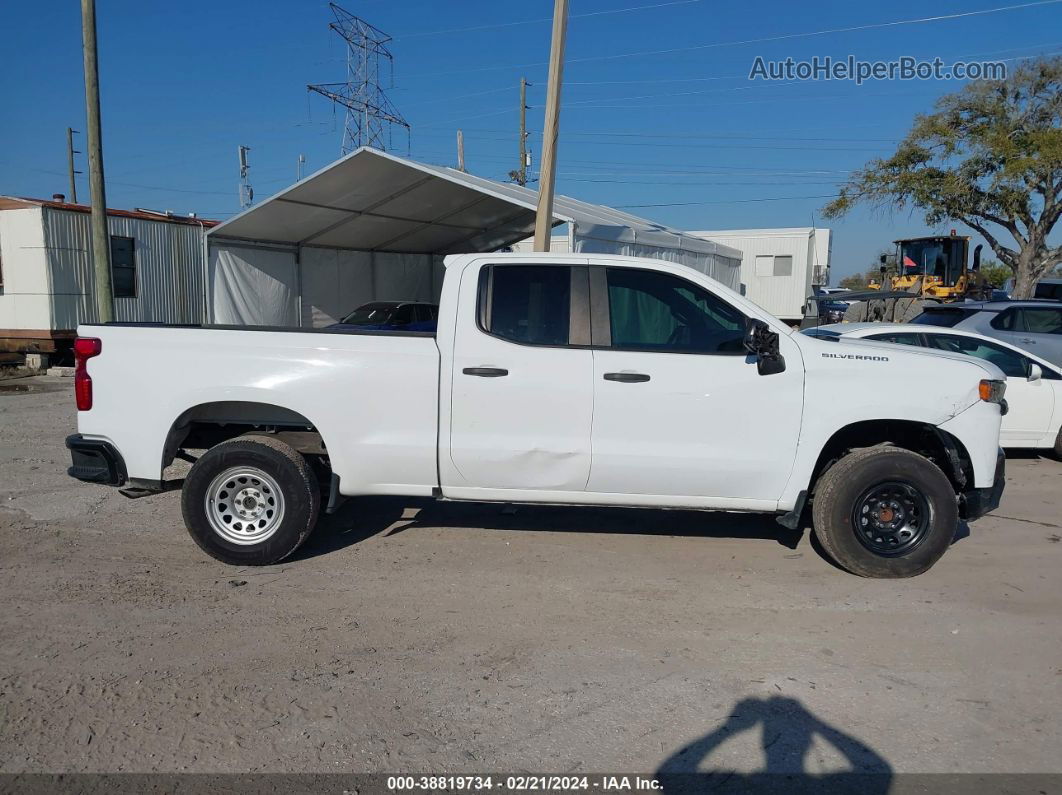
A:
{"x": 1026, "y": 339}
{"x": 486, "y": 372}
{"x": 627, "y": 377}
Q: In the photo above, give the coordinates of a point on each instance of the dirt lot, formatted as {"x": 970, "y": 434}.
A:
{"x": 433, "y": 638}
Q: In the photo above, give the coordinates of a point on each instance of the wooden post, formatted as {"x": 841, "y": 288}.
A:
{"x": 547, "y": 179}
{"x": 101, "y": 241}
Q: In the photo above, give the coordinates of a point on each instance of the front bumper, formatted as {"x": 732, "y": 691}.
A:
{"x": 95, "y": 461}
{"x": 975, "y": 503}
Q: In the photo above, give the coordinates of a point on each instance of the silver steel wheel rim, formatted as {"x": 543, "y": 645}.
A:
{"x": 244, "y": 505}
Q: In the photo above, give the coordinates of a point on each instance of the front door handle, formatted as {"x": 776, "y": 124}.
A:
{"x": 627, "y": 377}
{"x": 486, "y": 372}
{"x": 1026, "y": 339}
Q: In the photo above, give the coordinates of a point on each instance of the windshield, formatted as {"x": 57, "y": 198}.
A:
{"x": 940, "y": 258}
{"x": 942, "y": 317}
{"x": 824, "y": 333}
{"x": 370, "y": 314}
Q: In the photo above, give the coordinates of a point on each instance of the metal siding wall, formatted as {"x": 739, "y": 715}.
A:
{"x": 782, "y": 296}
{"x": 169, "y": 269}
{"x": 24, "y": 299}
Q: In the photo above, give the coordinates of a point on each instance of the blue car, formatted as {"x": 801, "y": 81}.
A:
{"x": 391, "y": 316}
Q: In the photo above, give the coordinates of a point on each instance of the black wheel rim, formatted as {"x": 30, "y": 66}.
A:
{"x": 891, "y": 519}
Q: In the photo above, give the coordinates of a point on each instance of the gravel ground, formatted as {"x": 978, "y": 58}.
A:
{"x": 432, "y": 637}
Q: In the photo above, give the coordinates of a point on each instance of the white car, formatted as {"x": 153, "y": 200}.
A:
{"x": 1034, "y": 385}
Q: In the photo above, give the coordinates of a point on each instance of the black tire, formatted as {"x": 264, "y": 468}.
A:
{"x": 904, "y": 493}
{"x": 1058, "y": 445}
{"x": 291, "y": 476}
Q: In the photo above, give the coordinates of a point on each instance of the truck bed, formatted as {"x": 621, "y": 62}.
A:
{"x": 372, "y": 394}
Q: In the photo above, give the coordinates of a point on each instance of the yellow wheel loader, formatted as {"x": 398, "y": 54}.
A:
{"x": 925, "y": 269}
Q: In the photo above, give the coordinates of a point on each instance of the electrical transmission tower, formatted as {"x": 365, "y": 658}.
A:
{"x": 370, "y": 117}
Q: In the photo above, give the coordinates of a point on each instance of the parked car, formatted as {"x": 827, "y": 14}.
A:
{"x": 391, "y": 316}
{"x": 1049, "y": 288}
{"x": 604, "y": 381}
{"x": 1034, "y": 385}
{"x": 1035, "y": 326}
{"x": 830, "y": 308}
{"x": 836, "y": 293}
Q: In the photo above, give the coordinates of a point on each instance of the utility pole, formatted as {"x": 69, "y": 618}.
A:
{"x": 547, "y": 180}
{"x": 70, "y": 152}
{"x": 460, "y": 150}
{"x": 519, "y": 176}
{"x": 101, "y": 243}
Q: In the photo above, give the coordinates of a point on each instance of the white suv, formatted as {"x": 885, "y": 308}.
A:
{"x": 1035, "y": 326}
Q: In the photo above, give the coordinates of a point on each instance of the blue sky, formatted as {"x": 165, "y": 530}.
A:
{"x": 184, "y": 83}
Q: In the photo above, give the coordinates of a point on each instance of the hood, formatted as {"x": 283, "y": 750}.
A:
{"x": 855, "y": 346}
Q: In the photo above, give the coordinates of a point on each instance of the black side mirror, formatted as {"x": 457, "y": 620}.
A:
{"x": 762, "y": 343}
{"x": 883, "y": 259}
{"x": 977, "y": 258}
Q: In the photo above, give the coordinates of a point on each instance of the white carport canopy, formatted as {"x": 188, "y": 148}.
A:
{"x": 375, "y": 226}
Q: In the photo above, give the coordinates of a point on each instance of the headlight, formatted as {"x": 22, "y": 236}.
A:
{"x": 992, "y": 391}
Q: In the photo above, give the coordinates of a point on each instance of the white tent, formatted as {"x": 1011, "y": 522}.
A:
{"x": 375, "y": 226}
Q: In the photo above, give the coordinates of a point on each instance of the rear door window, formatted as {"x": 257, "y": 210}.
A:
{"x": 1047, "y": 320}
{"x": 530, "y": 304}
{"x": 1012, "y": 363}
{"x": 1006, "y": 320}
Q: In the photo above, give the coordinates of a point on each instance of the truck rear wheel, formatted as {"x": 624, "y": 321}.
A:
{"x": 885, "y": 512}
{"x": 250, "y": 501}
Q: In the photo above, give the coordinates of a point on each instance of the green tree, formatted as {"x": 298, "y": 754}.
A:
{"x": 990, "y": 156}
{"x": 995, "y": 273}
{"x": 859, "y": 281}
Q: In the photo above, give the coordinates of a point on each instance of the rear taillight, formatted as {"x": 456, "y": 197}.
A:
{"x": 84, "y": 349}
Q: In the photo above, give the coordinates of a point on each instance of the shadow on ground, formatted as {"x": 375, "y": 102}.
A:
{"x": 364, "y": 517}
{"x": 788, "y": 733}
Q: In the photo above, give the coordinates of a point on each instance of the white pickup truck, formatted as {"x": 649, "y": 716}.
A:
{"x": 552, "y": 378}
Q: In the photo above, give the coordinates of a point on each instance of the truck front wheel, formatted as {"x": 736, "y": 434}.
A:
{"x": 885, "y": 512}
{"x": 250, "y": 501}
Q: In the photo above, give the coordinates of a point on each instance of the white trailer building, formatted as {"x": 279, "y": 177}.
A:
{"x": 158, "y": 269}
{"x": 779, "y": 267}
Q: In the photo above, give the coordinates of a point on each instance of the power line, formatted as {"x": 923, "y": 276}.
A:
{"x": 496, "y": 26}
{"x": 761, "y": 40}
{"x": 671, "y": 136}
{"x": 725, "y": 201}
{"x": 674, "y": 184}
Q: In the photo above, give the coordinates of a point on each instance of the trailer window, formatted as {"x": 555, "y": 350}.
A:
{"x": 772, "y": 265}
{"x": 123, "y": 267}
